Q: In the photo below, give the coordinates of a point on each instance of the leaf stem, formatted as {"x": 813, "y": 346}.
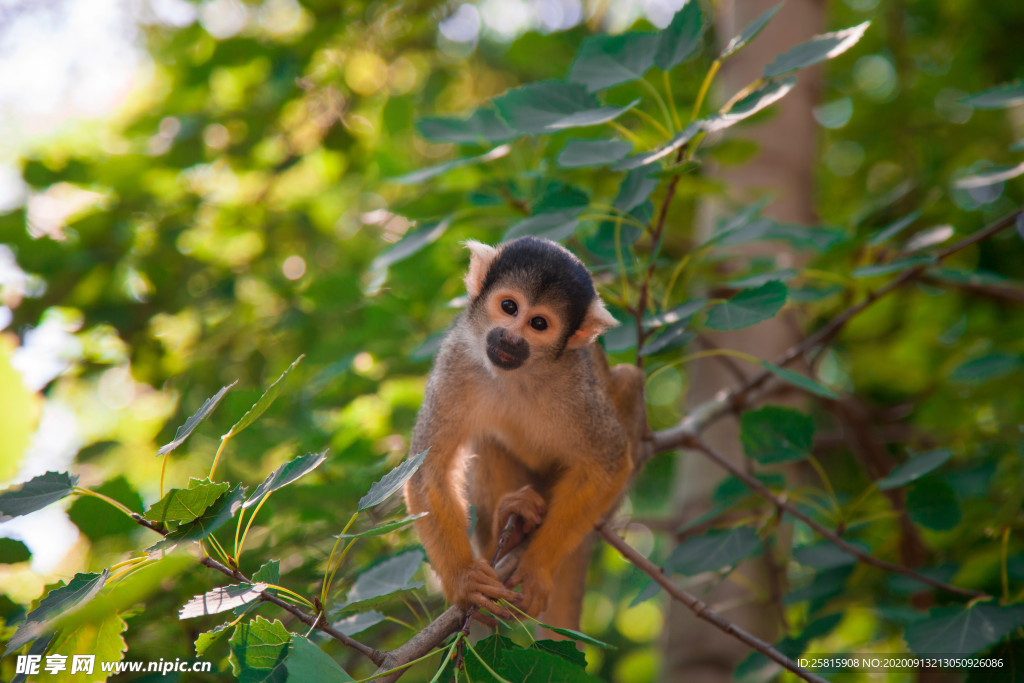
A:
{"x": 710, "y": 76}
{"x": 239, "y": 546}
{"x": 163, "y": 470}
{"x": 220, "y": 449}
{"x": 672, "y": 280}
{"x": 220, "y": 550}
{"x": 667, "y": 132}
{"x": 486, "y": 665}
{"x": 328, "y": 574}
{"x": 671, "y": 100}
{"x": 106, "y": 499}
{"x": 628, "y": 134}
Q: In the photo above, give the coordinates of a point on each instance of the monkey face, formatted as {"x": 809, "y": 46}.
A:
{"x": 516, "y": 325}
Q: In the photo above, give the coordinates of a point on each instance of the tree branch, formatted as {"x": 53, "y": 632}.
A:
{"x": 736, "y": 399}
{"x": 700, "y": 609}
{"x": 439, "y": 629}
{"x": 697, "y": 444}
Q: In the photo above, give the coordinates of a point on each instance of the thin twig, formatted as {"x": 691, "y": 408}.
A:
{"x": 700, "y": 609}
{"x": 376, "y": 656}
{"x": 697, "y": 443}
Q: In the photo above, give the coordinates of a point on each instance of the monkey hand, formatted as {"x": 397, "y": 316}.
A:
{"x": 478, "y": 585}
{"x": 528, "y": 505}
{"x": 536, "y": 583}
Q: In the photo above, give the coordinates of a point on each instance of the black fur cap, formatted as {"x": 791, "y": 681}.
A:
{"x": 545, "y": 272}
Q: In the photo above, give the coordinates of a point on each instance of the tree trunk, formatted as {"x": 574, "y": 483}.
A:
{"x": 693, "y": 652}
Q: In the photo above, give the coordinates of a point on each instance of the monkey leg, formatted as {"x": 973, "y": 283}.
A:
{"x": 566, "y": 602}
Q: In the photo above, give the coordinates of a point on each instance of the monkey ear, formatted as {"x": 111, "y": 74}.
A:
{"x": 594, "y": 325}
{"x": 480, "y": 259}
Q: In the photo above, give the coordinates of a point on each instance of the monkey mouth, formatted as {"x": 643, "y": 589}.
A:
{"x": 503, "y": 359}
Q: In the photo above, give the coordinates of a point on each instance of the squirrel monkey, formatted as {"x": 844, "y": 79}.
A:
{"x": 523, "y": 415}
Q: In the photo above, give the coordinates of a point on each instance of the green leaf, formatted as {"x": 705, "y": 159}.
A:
{"x": 893, "y": 229}
{"x": 681, "y": 169}
{"x": 383, "y": 581}
{"x": 915, "y": 469}
{"x": 783, "y": 275}
{"x": 550, "y": 106}
{"x": 558, "y": 196}
{"x": 576, "y": 635}
{"x": 825, "y": 555}
{"x": 103, "y": 638}
{"x": 491, "y": 650}
{"x": 712, "y": 551}
{"x": 749, "y": 307}
{"x": 265, "y": 400}
{"x": 582, "y": 153}
{"x": 307, "y": 663}
{"x": 999, "y": 97}
{"x": 555, "y": 226}
{"x": 184, "y": 505}
{"x": 677, "y": 141}
{"x": 481, "y": 127}
{"x": 765, "y": 95}
{"x": 748, "y": 34}
{"x": 742, "y": 219}
{"x": 286, "y": 474}
{"x": 995, "y": 365}
{"x": 955, "y": 631}
{"x": 35, "y": 494}
{"x": 681, "y": 312}
{"x": 39, "y": 647}
{"x": 259, "y": 650}
{"x": 411, "y": 244}
{"x": 602, "y": 242}
{"x": 565, "y": 649}
{"x": 680, "y": 39}
{"x": 932, "y": 503}
{"x": 775, "y": 434}
{"x": 57, "y": 603}
{"x": 800, "y": 381}
{"x": 392, "y": 481}
{"x": 222, "y": 599}
{"x": 636, "y": 188}
{"x": 604, "y": 61}
{"x": 540, "y": 666}
{"x": 268, "y": 573}
{"x": 904, "y": 585}
{"x": 422, "y": 174}
{"x": 97, "y": 519}
{"x": 223, "y": 509}
{"x": 621, "y": 338}
{"x": 819, "y": 239}
{"x": 817, "y": 49}
{"x": 12, "y": 551}
{"x": 674, "y": 337}
{"x": 191, "y": 423}
{"x": 206, "y": 640}
{"x": 358, "y": 623}
{"x": 990, "y": 176}
{"x": 385, "y": 528}
{"x": 733, "y": 489}
{"x": 894, "y": 266}
{"x": 826, "y": 584}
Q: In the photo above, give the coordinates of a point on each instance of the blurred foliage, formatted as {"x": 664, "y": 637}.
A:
{"x": 238, "y": 213}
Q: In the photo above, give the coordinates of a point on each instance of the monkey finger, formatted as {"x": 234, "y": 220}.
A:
{"x": 496, "y": 592}
{"x": 489, "y": 622}
{"x": 482, "y": 602}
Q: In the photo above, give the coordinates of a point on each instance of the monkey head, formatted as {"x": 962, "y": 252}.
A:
{"x": 529, "y": 301}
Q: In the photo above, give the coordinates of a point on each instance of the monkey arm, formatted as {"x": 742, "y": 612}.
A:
{"x": 444, "y": 532}
{"x": 582, "y": 495}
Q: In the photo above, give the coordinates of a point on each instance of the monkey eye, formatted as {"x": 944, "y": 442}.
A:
{"x": 539, "y": 324}
{"x": 509, "y": 306}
